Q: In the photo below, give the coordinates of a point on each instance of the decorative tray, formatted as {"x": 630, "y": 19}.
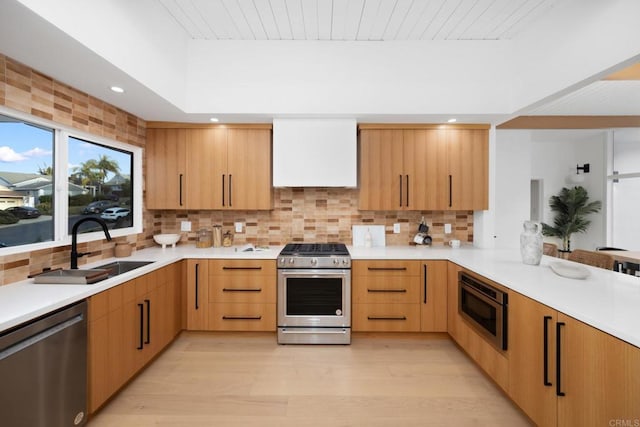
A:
{"x": 568, "y": 270}
{"x": 71, "y": 277}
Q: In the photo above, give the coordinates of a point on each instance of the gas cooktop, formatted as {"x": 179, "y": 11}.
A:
{"x": 315, "y": 249}
{"x": 314, "y": 255}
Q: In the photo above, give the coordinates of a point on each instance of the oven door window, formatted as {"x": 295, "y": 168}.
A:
{"x": 316, "y": 296}
{"x": 480, "y": 311}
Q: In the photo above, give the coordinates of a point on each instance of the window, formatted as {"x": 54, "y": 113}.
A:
{"x": 26, "y": 183}
{"x": 42, "y": 165}
{"x": 99, "y": 179}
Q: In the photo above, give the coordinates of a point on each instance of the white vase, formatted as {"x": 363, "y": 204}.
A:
{"x": 531, "y": 243}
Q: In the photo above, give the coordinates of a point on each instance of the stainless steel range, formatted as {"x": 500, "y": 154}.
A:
{"x": 314, "y": 294}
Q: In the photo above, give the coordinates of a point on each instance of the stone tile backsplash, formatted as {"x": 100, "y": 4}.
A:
{"x": 318, "y": 215}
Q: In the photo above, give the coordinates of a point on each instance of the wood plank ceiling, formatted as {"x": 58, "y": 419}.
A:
{"x": 351, "y": 20}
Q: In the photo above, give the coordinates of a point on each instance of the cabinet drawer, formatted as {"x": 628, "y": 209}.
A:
{"x": 385, "y": 268}
{"x": 244, "y": 267}
{"x": 243, "y": 289}
{"x": 380, "y": 289}
{"x": 242, "y": 317}
{"x": 386, "y": 317}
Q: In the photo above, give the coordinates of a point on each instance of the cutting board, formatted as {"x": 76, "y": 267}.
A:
{"x": 377, "y": 235}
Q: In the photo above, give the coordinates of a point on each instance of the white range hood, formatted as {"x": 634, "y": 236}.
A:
{"x": 314, "y": 153}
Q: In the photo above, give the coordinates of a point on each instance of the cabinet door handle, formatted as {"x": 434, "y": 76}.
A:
{"x": 387, "y": 317}
{"x": 230, "y": 190}
{"x": 400, "y": 291}
{"x": 197, "y": 270}
{"x": 424, "y": 283}
{"x": 140, "y": 341}
{"x": 559, "y": 391}
{"x": 180, "y": 193}
{"x": 242, "y": 268}
{"x": 223, "y": 187}
{"x": 400, "y": 190}
{"x": 148, "y": 304}
{"x": 407, "y": 202}
{"x": 387, "y": 268}
{"x": 241, "y": 317}
{"x": 545, "y": 354}
{"x": 241, "y": 289}
{"x": 450, "y": 190}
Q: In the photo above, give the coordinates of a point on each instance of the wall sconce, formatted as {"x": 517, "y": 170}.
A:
{"x": 578, "y": 178}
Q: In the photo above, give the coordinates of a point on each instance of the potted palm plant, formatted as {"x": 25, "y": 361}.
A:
{"x": 571, "y": 207}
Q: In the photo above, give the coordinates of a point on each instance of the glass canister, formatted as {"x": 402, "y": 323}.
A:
{"x": 217, "y": 236}
{"x": 227, "y": 239}
{"x": 204, "y": 239}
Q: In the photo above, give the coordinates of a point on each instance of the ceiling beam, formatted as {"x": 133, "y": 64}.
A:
{"x": 629, "y": 73}
{"x": 571, "y": 122}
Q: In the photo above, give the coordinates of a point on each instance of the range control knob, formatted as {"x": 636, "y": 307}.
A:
{"x": 292, "y": 261}
{"x": 345, "y": 261}
{"x": 336, "y": 261}
{"x": 314, "y": 261}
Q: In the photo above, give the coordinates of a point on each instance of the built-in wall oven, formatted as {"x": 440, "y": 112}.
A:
{"x": 314, "y": 294}
{"x": 485, "y": 307}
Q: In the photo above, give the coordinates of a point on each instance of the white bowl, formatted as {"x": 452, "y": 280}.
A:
{"x": 166, "y": 239}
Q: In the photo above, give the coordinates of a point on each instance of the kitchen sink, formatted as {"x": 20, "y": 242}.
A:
{"x": 88, "y": 277}
{"x": 119, "y": 267}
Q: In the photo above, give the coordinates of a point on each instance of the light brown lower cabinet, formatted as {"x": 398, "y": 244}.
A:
{"x": 231, "y": 295}
{"x": 128, "y": 325}
{"x": 493, "y": 361}
{"x": 564, "y": 372}
{"x": 399, "y": 296}
{"x": 197, "y": 306}
{"x": 433, "y": 296}
{"x": 242, "y": 295}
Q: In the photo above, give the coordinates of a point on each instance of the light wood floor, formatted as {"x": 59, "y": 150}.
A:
{"x": 220, "y": 379}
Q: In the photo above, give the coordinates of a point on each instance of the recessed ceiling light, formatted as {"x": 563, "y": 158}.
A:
{"x": 214, "y": 119}
{"x": 452, "y": 120}
{"x": 117, "y": 89}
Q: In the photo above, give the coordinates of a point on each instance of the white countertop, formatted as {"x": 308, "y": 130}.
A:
{"x": 605, "y": 300}
{"x": 23, "y": 301}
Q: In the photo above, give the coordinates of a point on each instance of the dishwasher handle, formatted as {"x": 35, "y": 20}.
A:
{"x": 40, "y": 336}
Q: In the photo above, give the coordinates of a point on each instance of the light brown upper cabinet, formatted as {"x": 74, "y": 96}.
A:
{"x": 166, "y": 169}
{"x": 208, "y": 168}
{"x": 423, "y": 168}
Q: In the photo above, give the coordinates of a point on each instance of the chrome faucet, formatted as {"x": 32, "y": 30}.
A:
{"x": 74, "y": 239}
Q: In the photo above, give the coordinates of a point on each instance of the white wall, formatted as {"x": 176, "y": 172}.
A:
{"x": 555, "y": 155}
{"x": 513, "y": 176}
{"x": 349, "y": 78}
{"x": 550, "y": 155}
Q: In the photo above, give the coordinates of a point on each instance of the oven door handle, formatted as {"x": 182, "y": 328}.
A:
{"x": 316, "y": 331}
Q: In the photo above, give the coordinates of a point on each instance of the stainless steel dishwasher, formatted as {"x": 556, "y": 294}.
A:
{"x": 43, "y": 370}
